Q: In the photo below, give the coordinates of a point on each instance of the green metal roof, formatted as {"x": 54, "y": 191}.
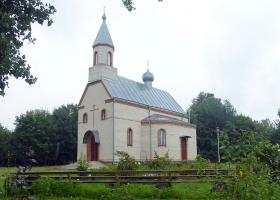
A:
{"x": 132, "y": 91}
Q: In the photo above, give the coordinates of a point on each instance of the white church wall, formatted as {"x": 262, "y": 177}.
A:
{"x": 145, "y": 143}
{"x": 130, "y": 116}
{"x": 96, "y": 95}
{"x": 173, "y": 145}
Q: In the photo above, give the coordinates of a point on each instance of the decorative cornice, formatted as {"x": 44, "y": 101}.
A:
{"x": 147, "y": 122}
{"x": 125, "y": 102}
{"x": 100, "y": 44}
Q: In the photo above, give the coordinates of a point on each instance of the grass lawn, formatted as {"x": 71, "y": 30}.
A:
{"x": 130, "y": 191}
{"x": 138, "y": 191}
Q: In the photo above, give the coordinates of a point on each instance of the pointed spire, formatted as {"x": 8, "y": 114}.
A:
{"x": 103, "y": 36}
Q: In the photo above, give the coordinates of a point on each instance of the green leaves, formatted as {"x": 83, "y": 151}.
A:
{"x": 51, "y": 137}
{"x": 125, "y": 161}
{"x": 16, "y": 19}
{"x": 208, "y": 112}
{"x": 128, "y": 4}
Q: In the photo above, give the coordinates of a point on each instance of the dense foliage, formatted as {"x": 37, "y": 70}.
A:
{"x": 16, "y": 18}
{"x": 83, "y": 164}
{"x": 50, "y": 188}
{"x": 126, "y": 162}
{"x": 257, "y": 169}
{"x": 50, "y": 138}
{"x": 160, "y": 162}
{"x": 209, "y": 112}
{"x": 5, "y": 145}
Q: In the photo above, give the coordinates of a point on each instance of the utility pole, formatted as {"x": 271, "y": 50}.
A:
{"x": 188, "y": 112}
{"x": 218, "y": 137}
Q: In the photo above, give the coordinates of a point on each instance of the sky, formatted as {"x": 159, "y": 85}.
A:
{"x": 229, "y": 48}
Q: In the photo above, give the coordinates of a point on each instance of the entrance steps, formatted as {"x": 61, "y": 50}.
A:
{"x": 93, "y": 165}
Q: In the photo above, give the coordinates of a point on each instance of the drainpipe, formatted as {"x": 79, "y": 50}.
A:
{"x": 113, "y": 131}
{"x": 151, "y": 154}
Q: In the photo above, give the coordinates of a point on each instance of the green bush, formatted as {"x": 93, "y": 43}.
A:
{"x": 142, "y": 191}
{"x": 42, "y": 186}
{"x": 96, "y": 191}
{"x": 82, "y": 164}
{"x": 7, "y": 186}
{"x": 168, "y": 193}
{"x": 251, "y": 181}
{"x": 62, "y": 188}
{"x": 159, "y": 162}
{"x": 52, "y": 189}
{"x": 49, "y": 187}
{"x": 200, "y": 163}
{"x": 126, "y": 162}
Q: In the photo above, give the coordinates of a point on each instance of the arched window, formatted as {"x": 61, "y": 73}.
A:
{"x": 161, "y": 137}
{"x": 129, "y": 137}
{"x": 103, "y": 114}
{"x": 95, "y": 58}
{"x": 110, "y": 59}
{"x": 85, "y": 118}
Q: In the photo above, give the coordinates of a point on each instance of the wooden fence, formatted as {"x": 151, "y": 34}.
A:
{"x": 122, "y": 177}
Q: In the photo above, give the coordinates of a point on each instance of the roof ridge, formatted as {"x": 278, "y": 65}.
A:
{"x": 143, "y": 84}
{"x": 133, "y": 91}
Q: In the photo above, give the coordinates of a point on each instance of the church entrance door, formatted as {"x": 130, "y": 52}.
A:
{"x": 92, "y": 148}
{"x": 184, "y": 148}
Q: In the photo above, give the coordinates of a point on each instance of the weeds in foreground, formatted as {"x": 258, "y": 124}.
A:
{"x": 49, "y": 187}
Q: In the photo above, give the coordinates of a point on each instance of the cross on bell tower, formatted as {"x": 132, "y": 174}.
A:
{"x": 103, "y": 54}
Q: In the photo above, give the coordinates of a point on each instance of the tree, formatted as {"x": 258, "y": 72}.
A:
{"x": 239, "y": 147}
{"x": 34, "y": 133}
{"x": 208, "y": 112}
{"x": 275, "y": 136}
{"x": 65, "y": 127}
{"x": 6, "y": 152}
{"x": 16, "y": 18}
{"x": 128, "y": 4}
{"x": 51, "y": 137}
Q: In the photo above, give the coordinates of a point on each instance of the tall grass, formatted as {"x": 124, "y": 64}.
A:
{"x": 51, "y": 188}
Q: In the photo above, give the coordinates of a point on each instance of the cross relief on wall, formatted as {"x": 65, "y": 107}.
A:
{"x": 94, "y": 108}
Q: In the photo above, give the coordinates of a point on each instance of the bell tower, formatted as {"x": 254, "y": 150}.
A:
{"x": 103, "y": 55}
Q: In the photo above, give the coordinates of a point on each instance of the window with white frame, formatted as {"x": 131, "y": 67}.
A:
{"x": 161, "y": 137}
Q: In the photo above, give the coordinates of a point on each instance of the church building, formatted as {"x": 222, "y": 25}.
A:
{"x": 119, "y": 114}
